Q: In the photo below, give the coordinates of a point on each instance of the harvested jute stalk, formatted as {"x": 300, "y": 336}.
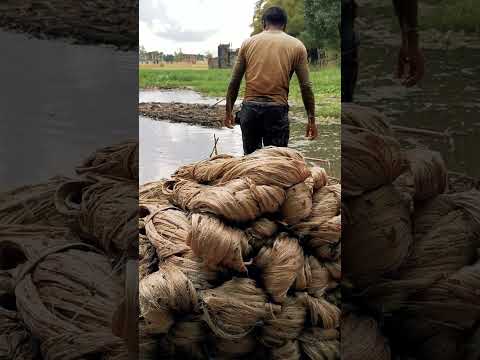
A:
{"x": 33, "y": 204}
{"x": 369, "y": 161}
{"x": 168, "y": 230}
{"x": 164, "y": 293}
{"x": 218, "y": 244}
{"x": 361, "y": 339}
{"x": 120, "y": 160}
{"x": 280, "y": 265}
{"x": 15, "y": 341}
{"x": 429, "y": 173}
{"x": 289, "y": 351}
{"x": 366, "y": 118}
{"x": 378, "y": 239}
{"x": 70, "y": 311}
{"x": 318, "y": 343}
{"x": 287, "y": 325}
{"x": 109, "y": 215}
{"x": 233, "y": 309}
{"x": 237, "y": 200}
{"x": 320, "y": 177}
{"x": 298, "y": 202}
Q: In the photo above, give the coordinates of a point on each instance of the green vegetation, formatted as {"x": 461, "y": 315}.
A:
{"x": 214, "y": 82}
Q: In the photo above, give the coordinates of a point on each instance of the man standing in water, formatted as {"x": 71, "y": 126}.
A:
{"x": 410, "y": 63}
{"x": 268, "y": 61}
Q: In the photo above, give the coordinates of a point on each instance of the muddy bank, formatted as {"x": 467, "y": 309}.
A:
{"x": 95, "y": 22}
{"x": 198, "y": 114}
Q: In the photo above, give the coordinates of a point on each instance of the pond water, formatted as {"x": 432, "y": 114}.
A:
{"x": 446, "y": 100}
{"x": 165, "y": 146}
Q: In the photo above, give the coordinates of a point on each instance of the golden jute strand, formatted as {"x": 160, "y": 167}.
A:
{"x": 218, "y": 244}
{"x": 378, "y": 240}
{"x": 287, "y": 325}
{"x": 369, "y": 160}
{"x": 119, "y": 161}
{"x": 318, "y": 343}
{"x": 32, "y": 204}
{"x": 316, "y": 278}
{"x": 298, "y": 202}
{"x": 152, "y": 193}
{"x": 319, "y": 176}
{"x": 238, "y": 200}
{"x": 361, "y": 338}
{"x": 168, "y": 230}
{"x": 280, "y": 265}
{"x": 233, "y": 309}
{"x": 366, "y": 118}
{"x": 195, "y": 270}
{"x": 164, "y": 293}
{"x": 322, "y": 313}
{"x": 261, "y": 233}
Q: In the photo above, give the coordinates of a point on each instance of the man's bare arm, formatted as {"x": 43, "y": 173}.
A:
{"x": 235, "y": 81}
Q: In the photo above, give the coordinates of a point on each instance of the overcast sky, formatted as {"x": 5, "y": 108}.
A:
{"x": 195, "y": 26}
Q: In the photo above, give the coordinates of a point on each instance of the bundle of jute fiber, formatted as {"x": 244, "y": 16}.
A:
{"x": 15, "y": 341}
{"x": 233, "y": 309}
{"x": 109, "y": 215}
{"x": 188, "y": 336}
{"x": 298, "y": 202}
{"x": 362, "y": 339}
{"x": 378, "y": 239}
{"x": 287, "y": 325}
{"x": 261, "y": 233}
{"x": 318, "y": 343}
{"x": 280, "y": 265}
{"x": 206, "y": 171}
{"x": 70, "y": 311}
{"x": 236, "y": 349}
{"x": 289, "y": 351}
{"x": 32, "y": 204}
{"x": 120, "y": 160}
{"x": 147, "y": 257}
{"x": 168, "y": 229}
{"x": 319, "y": 176}
{"x": 369, "y": 160}
{"x": 429, "y": 173}
{"x": 164, "y": 293}
{"x": 238, "y": 200}
{"x": 366, "y": 118}
{"x": 316, "y": 278}
{"x": 322, "y": 313}
{"x": 152, "y": 193}
{"x": 218, "y": 244}
{"x": 201, "y": 277}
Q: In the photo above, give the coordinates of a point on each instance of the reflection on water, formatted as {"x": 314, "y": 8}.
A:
{"x": 165, "y": 146}
{"x": 60, "y": 103}
{"x": 446, "y": 99}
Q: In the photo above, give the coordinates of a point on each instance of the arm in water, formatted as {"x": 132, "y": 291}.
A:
{"x": 301, "y": 69}
{"x": 410, "y": 54}
{"x": 233, "y": 88}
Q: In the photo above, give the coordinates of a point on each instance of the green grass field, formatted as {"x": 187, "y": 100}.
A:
{"x": 214, "y": 82}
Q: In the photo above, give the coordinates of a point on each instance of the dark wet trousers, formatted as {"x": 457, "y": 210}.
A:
{"x": 263, "y": 124}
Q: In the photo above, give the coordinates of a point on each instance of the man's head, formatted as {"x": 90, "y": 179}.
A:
{"x": 274, "y": 18}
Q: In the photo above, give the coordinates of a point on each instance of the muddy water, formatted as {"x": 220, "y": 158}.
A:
{"x": 165, "y": 146}
{"x": 446, "y": 100}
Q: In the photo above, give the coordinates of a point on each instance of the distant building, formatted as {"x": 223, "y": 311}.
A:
{"x": 152, "y": 57}
{"x": 226, "y": 57}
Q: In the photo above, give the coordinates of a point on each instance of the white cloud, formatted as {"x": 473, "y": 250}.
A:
{"x": 195, "y": 26}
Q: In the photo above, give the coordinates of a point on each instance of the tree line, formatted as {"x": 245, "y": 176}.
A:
{"x": 314, "y": 22}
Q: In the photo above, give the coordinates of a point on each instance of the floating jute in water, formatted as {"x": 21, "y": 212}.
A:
{"x": 218, "y": 244}
{"x": 119, "y": 161}
{"x": 237, "y": 200}
{"x": 280, "y": 265}
{"x": 361, "y": 339}
{"x": 369, "y": 161}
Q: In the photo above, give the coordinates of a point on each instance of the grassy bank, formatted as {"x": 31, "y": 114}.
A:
{"x": 326, "y": 84}
{"x": 456, "y": 15}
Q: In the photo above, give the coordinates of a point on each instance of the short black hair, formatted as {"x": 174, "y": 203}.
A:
{"x": 275, "y": 16}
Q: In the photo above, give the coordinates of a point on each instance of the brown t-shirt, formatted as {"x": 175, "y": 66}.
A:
{"x": 268, "y": 61}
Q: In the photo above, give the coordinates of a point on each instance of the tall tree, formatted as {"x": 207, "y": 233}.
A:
{"x": 293, "y": 8}
{"x": 321, "y": 23}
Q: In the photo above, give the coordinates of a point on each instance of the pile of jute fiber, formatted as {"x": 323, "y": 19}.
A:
{"x": 64, "y": 246}
{"x": 410, "y": 249}
{"x": 240, "y": 258}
